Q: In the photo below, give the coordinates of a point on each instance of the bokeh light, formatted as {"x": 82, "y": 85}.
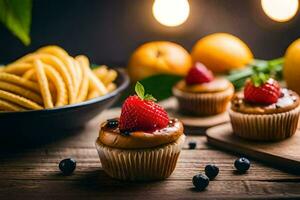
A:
{"x": 171, "y": 12}
{"x": 280, "y": 10}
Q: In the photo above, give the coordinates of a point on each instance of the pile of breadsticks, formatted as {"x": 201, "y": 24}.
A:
{"x": 50, "y": 78}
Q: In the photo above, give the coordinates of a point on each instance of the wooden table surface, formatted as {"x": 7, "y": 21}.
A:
{"x": 33, "y": 173}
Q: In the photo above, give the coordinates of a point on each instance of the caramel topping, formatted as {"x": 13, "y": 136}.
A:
{"x": 286, "y": 102}
{"x": 112, "y": 137}
{"x": 217, "y": 85}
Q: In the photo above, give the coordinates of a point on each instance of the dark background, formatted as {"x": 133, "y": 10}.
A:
{"x": 108, "y": 31}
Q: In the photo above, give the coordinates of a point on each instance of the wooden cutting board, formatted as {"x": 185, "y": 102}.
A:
{"x": 284, "y": 154}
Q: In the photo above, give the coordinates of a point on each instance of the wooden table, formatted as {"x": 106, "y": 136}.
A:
{"x": 33, "y": 174}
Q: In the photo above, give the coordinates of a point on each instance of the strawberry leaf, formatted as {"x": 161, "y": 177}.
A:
{"x": 271, "y": 67}
{"x": 259, "y": 78}
{"x": 149, "y": 97}
{"x": 140, "y": 90}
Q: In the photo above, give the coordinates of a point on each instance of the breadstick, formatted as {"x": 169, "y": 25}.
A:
{"x": 18, "y": 68}
{"x": 19, "y": 100}
{"x": 84, "y": 87}
{"x": 94, "y": 82}
{"x": 92, "y": 94}
{"x": 110, "y": 77}
{"x": 19, "y": 81}
{"x": 111, "y": 87}
{"x": 56, "y": 79}
{"x": 43, "y": 82}
{"x": 58, "y": 65}
{"x": 49, "y": 78}
{"x": 100, "y": 71}
{"x": 7, "y": 106}
{"x": 21, "y": 91}
{"x": 65, "y": 58}
{"x": 78, "y": 76}
{"x": 29, "y": 75}
{"x": 97, "y": 84}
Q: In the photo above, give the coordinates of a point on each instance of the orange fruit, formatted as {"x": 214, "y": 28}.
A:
{"x": 221, "y": 52}
{"x": 159, "y": 57}
{"x": 291, "y": 69}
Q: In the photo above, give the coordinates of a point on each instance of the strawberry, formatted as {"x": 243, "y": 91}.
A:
{"x": 199, "y": 74}
{"x": 262, "y": 89}
{"x": 141, "y": 113}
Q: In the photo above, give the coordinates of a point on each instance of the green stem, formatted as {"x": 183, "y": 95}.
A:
{"x": 272, "y": 67}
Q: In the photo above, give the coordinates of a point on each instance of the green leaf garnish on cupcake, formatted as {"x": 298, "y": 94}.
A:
{"x": 259, "y": 78}
{"x": 140, "y": 91}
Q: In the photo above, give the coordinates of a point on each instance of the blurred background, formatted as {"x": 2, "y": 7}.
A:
{"x": 109, "y": 30}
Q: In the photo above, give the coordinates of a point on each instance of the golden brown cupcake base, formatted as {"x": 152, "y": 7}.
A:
{"x": 144, "y": 164}
{"x": 265, "y": 127}
{"x": 203, "y": 104}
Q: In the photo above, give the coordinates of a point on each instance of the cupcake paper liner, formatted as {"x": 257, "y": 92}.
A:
{"x": 141, "y": 164}
{"x": 265, "y": 127}
{"x": 203, "y": 104}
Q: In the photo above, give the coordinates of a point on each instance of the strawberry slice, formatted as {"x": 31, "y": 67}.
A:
{"x": 199, "y": 74}
{"x": 261, "y": 89}
{"x": 141, "y": 113}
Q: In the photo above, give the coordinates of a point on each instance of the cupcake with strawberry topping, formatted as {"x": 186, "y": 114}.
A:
{"x": 143, "y": 144}
{"x": 202, "y": 94}
{"x": 264, "y": 111}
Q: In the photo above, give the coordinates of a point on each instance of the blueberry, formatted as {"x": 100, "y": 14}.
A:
{"x": 192, "y": 145}
{"x": 67, "y": 166}
{"x": 126, "y": 133}
{"x": 112, "y": 123}
{"x": 242, "y": 164}
{"x": 211, "y": 171}
{"x": 200, "y": 181}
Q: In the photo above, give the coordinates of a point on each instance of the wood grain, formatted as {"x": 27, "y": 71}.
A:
{"x": 284, "y": 154}
{"x": 32, "y": 173}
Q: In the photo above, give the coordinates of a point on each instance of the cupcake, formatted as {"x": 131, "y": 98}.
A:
{"x": 264, "y": 111}
{"x": 143, "y": 144}
{"x": 202, "y": 94}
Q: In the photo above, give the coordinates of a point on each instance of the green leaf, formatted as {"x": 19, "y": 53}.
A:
{"x": 139, "y": 90}
{"x": 160, "y": 86}
{"x": 272, "y": 68}
{"x": 149, "y": 97}
{"x": 259, "y": 79}
{"x": 16, "y": 16}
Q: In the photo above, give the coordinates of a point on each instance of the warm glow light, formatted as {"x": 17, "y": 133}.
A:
{"x": 171, "y": 12}
{"x": 280, "y": 10}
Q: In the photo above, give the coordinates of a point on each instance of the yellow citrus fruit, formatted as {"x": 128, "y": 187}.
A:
{"x": 159, "y": 57}
{"x": 291, "y": 69}
{"x": 221, "y": 52}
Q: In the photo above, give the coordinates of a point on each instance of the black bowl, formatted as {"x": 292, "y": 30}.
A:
{"x": 41, "y": 124}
